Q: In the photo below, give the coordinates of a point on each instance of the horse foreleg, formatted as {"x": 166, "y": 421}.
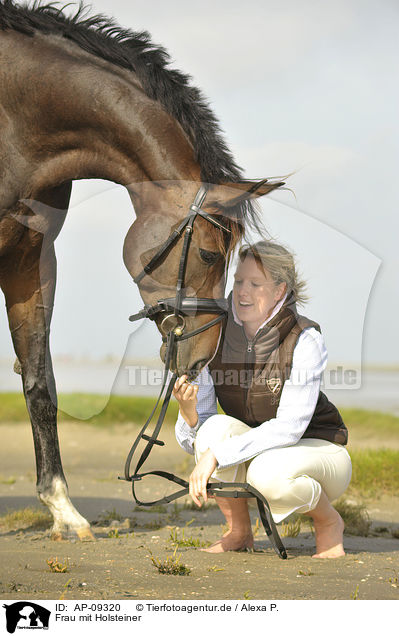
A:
{"x": 27, "y": 278}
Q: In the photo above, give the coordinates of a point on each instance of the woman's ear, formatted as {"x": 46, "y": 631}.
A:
{"x": 280, "y": 291}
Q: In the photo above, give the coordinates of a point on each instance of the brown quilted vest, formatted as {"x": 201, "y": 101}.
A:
{"x": 249, "y": 376}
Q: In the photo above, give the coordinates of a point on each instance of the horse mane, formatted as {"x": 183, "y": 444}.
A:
{"x": 101, "y": 36}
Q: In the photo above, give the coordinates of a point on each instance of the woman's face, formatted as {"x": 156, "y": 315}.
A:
{"x": 255, "y": 295}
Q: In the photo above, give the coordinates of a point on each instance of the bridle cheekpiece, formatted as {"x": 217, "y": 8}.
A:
{"x": 175, "y": 310}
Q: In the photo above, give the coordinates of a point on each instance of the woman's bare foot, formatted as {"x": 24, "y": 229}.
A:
{"x": 329, "y": 530}
{"x": 329, "y": 538}
{"x": 231, "y": 541}
{"x": 239, "y": 535}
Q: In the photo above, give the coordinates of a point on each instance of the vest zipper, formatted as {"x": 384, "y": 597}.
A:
{"x": 249, "y": 367}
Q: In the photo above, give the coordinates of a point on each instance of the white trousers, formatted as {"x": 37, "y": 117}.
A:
{"x": 290, "y": 478}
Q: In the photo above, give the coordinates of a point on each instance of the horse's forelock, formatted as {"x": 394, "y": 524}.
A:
{"x": 239, "y": 219}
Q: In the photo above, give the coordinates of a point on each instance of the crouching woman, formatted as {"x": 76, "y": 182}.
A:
{"x": 279, "y": 432}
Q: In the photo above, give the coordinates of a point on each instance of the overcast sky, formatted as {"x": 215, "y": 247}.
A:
{"x": 309, "y": 86}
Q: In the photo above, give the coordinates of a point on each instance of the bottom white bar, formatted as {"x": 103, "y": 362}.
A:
{"x": 143, "y": 616}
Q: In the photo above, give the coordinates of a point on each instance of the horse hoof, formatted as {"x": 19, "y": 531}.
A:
{"x": 85, "y": 534}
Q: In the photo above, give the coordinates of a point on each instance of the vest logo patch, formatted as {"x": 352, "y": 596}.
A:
{"x": 274, "y": 384}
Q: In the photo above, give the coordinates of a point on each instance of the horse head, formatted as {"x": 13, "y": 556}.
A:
{"x": 157, "y": 253}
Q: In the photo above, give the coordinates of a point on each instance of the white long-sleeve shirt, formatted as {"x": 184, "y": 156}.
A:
{"x": 298, "y": 400}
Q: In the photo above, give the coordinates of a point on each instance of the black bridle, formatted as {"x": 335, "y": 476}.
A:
{"x": 174, "y": 311}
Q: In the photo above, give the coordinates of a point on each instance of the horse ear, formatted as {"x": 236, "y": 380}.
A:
{"x": 225, "y": 195}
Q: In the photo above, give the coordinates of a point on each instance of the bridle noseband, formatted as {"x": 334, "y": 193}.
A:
{"x": 174, "y": 310}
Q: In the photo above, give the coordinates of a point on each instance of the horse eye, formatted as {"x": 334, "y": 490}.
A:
{"x": 209, "y": 257}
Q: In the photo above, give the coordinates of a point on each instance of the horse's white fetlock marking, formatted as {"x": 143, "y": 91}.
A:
{"x": 66, "y": 517}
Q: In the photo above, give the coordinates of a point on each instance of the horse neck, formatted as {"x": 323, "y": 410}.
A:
{"x": 82, "y": 117}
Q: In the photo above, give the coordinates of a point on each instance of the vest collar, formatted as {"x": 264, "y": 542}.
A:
{"x": 268, "y": 337}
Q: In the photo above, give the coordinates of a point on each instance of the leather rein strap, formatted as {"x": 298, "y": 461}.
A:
{"x": 177, "y": 308}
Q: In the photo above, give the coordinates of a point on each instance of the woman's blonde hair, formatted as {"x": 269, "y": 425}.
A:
{"x": 280, "y": 263}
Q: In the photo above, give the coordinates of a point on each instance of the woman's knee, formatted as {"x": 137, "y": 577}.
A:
{"x": 216, "y": 429}
{"x": 336, "y": 485}
{"x": 286, "y": 494}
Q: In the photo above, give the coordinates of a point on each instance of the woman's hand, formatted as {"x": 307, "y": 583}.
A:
{"x": 200, "y": 476}
{"x": 186, "y": 394}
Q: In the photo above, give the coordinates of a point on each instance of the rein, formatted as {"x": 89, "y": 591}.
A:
{"x": 173, "y": 325}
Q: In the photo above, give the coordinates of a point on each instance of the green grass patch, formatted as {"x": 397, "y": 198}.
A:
{"x": 36, "y": 518}
{"x": 375, "y": 471}
{"x": 7, "y": 480}
{"x": 370, "y": 423}
{"x": 171, "y": 565}
{"x": 13, "y": 408}
{"x": 186, "y": 542}
{"x": 118, "y": 410}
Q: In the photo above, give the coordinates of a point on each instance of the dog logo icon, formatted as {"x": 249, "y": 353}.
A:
{"x": 26, "y": 615}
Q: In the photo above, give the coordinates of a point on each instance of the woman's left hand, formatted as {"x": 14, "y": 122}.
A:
{"x": 200, "y": 476}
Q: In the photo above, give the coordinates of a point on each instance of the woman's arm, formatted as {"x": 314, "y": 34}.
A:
{"x": 206, "y": 406}
{"x": 297, "y": 404}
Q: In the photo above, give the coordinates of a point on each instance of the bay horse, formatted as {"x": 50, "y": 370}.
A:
{"x": 82, "y": 98}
